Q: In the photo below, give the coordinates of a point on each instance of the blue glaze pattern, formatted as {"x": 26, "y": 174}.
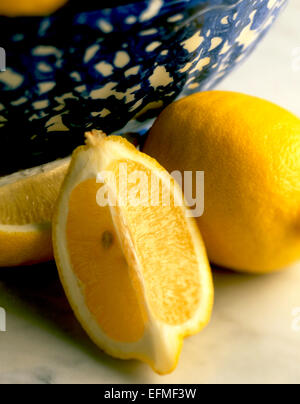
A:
{"x": 114, "y": 69}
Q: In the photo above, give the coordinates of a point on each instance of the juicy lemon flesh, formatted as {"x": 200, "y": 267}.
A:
{"x": 101, "y": 266}
{"x": 27, "y": 201}
{"x": 249, "y": 150}
{"x": 17, "y": 8}
{"x": 165, "y": 253}
{"x": 30, "y": 199}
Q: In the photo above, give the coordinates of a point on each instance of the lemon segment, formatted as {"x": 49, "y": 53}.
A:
{"x": 137, "y": 277}
{"x": 27, "y": 201}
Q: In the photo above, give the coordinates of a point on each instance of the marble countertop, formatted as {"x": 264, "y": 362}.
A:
{"x": 254, "y": 336}
{"x": 273, "y": 71}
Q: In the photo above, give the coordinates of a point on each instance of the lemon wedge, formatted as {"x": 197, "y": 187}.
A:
{"x": 27, "y": 201}
{"x": 136, "y": 275}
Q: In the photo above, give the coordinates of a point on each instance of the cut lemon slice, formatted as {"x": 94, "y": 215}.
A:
{"x": 27, "y": 201}
{"x": 134, "y": 268}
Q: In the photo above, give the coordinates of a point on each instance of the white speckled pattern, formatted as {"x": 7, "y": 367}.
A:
{"x": 67, "y": 68}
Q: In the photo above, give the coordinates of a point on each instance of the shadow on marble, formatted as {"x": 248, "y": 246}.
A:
{"x": 36, "y": 295}
{"x": 249, "y": 337}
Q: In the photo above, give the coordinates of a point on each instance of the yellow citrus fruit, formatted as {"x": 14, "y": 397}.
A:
{"x": 249, "y": 150}
{"x": 136, "y": 275}
{"x": 15, "y": 8}
{"x": 27, "y": 201}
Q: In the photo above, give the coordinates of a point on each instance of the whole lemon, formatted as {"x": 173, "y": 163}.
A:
{"x": 15, "y": 8}
{"x": 249, "y": 150}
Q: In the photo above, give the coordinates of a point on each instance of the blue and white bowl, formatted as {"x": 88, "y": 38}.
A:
{"x": 114, "y": 69}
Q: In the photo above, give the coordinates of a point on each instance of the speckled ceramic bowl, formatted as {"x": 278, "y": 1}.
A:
{"x": 114, "y": 68}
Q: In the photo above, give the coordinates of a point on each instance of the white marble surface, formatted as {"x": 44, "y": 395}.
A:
{"x": 273, "y": 71}
{"x": 251, "y": 338}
